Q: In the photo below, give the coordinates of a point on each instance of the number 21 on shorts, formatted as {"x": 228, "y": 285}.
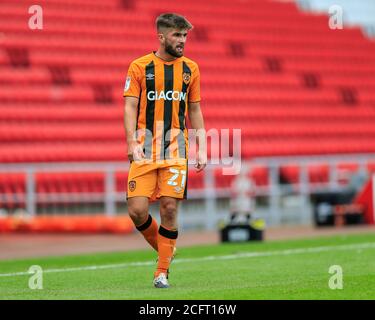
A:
{"x": 175, "y": 177}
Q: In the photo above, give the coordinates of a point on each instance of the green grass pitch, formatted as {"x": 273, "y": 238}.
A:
{"x": 293, "y": 269}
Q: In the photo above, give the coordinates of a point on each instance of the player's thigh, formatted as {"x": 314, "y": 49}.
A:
{"x": 172, "y": 180}
{"x": 142, "y": 180}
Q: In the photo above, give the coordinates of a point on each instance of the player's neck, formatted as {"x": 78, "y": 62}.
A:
{"x": 160, "y": 53}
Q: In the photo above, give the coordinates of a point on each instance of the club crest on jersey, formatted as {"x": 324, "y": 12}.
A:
{"x": 186, "y": 77}
{"x": 127, "y": 84}
{"x": 132, "y": 185}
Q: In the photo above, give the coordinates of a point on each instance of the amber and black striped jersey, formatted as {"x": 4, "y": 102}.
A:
{"x": 164, "y": 90}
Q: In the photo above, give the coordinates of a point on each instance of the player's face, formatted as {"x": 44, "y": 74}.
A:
{"x": 174, "y": 42}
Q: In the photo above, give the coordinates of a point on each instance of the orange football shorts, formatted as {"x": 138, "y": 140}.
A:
{"x": 157, "y": 179}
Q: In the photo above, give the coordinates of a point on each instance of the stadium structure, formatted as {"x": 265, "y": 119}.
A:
{"x": 296, "y": 81}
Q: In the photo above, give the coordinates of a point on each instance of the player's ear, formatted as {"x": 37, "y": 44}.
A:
{"x": 161, "y": 37}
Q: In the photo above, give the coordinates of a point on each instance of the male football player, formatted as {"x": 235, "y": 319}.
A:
{"x": 161, "y": 89}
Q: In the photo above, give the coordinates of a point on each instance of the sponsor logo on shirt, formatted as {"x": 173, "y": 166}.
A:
{"x": 169, "y": 95}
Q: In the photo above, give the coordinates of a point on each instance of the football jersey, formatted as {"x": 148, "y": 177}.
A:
{"x": 164, "y": 90}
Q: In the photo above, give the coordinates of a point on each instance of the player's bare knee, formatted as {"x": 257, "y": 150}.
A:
{"x": 168, "y": 207}
{"x": 137, "y": 212}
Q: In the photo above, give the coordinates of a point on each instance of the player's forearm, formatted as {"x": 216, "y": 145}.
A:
{"x": 201, "y": 140}
{"x": 197, "y": 123}
{"x": 130, "y": 119}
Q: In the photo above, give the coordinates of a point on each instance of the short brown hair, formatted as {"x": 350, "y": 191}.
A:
{"x": 172, "y": 20}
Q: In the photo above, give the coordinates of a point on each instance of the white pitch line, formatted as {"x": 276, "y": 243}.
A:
{"x": 286, "y": 252}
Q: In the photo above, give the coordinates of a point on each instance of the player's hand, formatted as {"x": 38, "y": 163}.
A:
{"x": 201, "y": 161}
{"x": 135, "y": 151}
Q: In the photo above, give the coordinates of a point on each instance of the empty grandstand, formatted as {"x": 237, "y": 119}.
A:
{"x": 295, "y": 87}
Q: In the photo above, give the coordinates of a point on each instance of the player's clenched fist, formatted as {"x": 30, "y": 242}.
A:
{"x": 201, "y": 161}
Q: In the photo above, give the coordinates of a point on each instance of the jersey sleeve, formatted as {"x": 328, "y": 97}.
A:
{"x": 195, "y": 86}
{"x": 133, "y": 82}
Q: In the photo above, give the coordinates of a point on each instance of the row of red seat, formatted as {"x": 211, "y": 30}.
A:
{"x": 116, "y": 151}
{"x": 209, "y": 64}
{"x": 42, "y": 75}
{"x": 60, "y": 132}
{"x": 311, "y": 146}
{"x": 49, "y": 51}
{"x": 226, "y": 13}
{"x": 235, "y": 96}
{"x": 256, "y": 34}
{"x": 21, "y": 114}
